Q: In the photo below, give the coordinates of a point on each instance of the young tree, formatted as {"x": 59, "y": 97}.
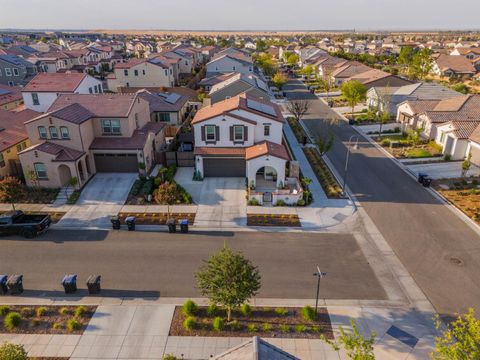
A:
{"x": 279, "y": 80}
{"x": 11, "y": 189}
{"x": 308, "y": 71}
{"x": 354, "y": 92}
{"x": 292, "y": 59}
{"x": 382, "y": 114}
{"x": 298, "y": 108}
{"x": 422, "y": 64}
{"x": 355, "y": 345}
{"x": 466, "y": 164}
{"x": 166, "y": 194}
{"x": 460, "y": 341}
{"x": 9, "y": 351}
{"x": 228, "y": 279}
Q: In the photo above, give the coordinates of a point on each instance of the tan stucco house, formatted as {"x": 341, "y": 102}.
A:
{"x": 82, "y": 134}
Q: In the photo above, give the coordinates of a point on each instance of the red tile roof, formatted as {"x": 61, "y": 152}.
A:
{"x": 14, "y": 94}
{"x": 13, "y": 128}
{"x": 62, "y": 153}
{"x": 266, "y": 148}
{"x": 55, "y": 82}
{"x": 221, "y": 151}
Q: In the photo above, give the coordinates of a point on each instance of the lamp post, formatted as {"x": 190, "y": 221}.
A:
{"x": 355, "y": 147}
{"x": 319, "y": 275}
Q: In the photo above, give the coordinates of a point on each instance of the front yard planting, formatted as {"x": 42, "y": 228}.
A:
{"x": 328, "y": 182}
{"x": 156, "y": 218}
{"x": 297, "y": 130}
{"x": 273, "y": 220}
{"x": 256, "y": 321}
{"x": 462, "y": 193}
{"x": 160, "y": 190}
{"x": 30, "y": 319}
{"x": 12, "y": 190}
{"x": 402, "y": 147}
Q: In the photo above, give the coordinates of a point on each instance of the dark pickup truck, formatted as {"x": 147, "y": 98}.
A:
{"x": 18, "y": 223}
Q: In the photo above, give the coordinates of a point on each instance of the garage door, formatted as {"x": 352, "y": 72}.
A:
{"x": 218, "y": 167}
{"x": 116, "y": 162}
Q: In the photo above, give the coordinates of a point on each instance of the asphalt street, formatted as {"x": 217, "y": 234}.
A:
{"x": 439, "y": 250}
{"x": 162, "y": 264}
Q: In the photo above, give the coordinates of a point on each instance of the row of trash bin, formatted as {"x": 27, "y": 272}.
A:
{"x": 130, "y": 222}
{"x": 14, "y": 284}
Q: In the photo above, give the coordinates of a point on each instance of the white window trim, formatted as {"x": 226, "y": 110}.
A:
{"x": 235, "y": 127}
{"x": 8, "y": 72}
{"x": 206, "y": 132}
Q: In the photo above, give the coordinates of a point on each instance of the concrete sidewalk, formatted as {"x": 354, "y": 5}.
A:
{"x": 140, "y": 330}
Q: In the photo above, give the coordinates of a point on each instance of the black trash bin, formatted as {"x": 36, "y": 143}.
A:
{"x": 15, "y": 284}
{"x": 93, "y": 284}
{"x": 426, "y": 181}
{"x": 115, "y": 220}
{"x": 421, "y": 176}
{"x": 3, "y": 284}
{"x": 172, "y": 226}
{"x": 351, "y": 121}
{"x": 184, "y": 226}
{"x": 69, "y": 283}
{"x": 130, "y": 223}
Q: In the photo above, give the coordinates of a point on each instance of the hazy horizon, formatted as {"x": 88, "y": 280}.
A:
{"x": 249, "y": 15}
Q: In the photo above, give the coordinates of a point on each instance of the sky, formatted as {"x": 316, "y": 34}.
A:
{"x": 241, "y": 14}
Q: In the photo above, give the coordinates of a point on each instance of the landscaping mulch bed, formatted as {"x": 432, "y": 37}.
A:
{"x": 463, "y": 194}
{"x": 156, "y": 218}
{"x": 293, "y": 325}
{"x": 273, "y": 220}
{"x": 297, "y": 130}
{"x": 44, "y": 324}
{"x": 329, "y": 183}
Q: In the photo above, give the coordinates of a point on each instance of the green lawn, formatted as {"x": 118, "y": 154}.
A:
{"x": 418, "y": 153}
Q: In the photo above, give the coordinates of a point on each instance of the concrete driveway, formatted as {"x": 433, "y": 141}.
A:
{"x": 444, "y": 170}
{"x": 101, "y": 198}
{"x": 221, "y": 201}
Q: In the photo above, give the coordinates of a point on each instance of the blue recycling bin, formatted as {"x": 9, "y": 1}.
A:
{"x": 3, "y": 284}
{"x": 130, "y": 221}
{"x": 69, "y": 283}
{"x": 184, "y": 226}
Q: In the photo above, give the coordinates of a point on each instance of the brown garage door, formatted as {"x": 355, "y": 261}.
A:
{"x": 218, "y": 167}
{"x": 116, "y": 162}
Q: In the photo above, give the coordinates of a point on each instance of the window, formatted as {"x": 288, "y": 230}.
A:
{"x": 15, "y": 72}
{"x": 90, "y": 90}
{"x": 233, "y": 68}
{"x": 135, "y": 72}
{"x": 266, "y": 130}
{"x": 21, "y": 146}
{"x": 111, "y": 127}
{"x": 8, "y": 72}
{"x": 53, "y": 132}
{"x": 136, "y": 121}
{"x": 99, "y": 88}
{"x": 166, "y": 72}
{"x": 2, "y": 161}
{"x": 164, "y": 117}
{"x": 125, "y": 72}
{"x": 210, "y": 132}
{"x": 143, "y": 72}
{"x": 42, "y": 132}
{"x": 35, "y": 99}
{"x": 40, "y": 171}
{"x": 238, "y": 133}
{"x": 64, "y": 132}
{"x": 10, "y": 83}
{"x": 0, "y": 72}
{"x": 95, "y": 89}
{"x": 442, "y": 137}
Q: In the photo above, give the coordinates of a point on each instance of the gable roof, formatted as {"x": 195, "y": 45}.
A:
{"x": 240, "y": 102}
{"x": 9, "y": 94}
{"x": 100, "y": 105}
{"x": 463, "y": 108}
{"x": 232, "y": 58}
{"x": 62, "y": 153}
{"x": 159, "y": 102}
{"x": 255, "y": 349}
{"x": 457, "y": 64}
{"x": 54, "y": 82}
{"x": 12, "y": 128}
{"x": 249, "y": 81}
{"x": 266, "y": 148}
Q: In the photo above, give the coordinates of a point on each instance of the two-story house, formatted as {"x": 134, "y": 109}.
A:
{"x": 10, "y": 97}
{"x": 228, "y": 63}
{"x": 40, "y": 93}
{"x": 81, "y": 135}
{"x": 15, "y": 70}
{"x": 142, "y": 73}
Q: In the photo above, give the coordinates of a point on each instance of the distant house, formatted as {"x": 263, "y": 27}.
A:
{"x": 227, "y": 63}
{"x": 207, "y": 82}
{"x": 395, "y": 95}
{"x": 469, "y": 53}
{"x": 15, "y": 71}
{"x": 10, "y": 97}
{"x": 154, "y": 72}
{"x": 236, "y": 85}
{"x": 13, "y": 140}
{"x": 40, "y": 93}
{"x": 169, "y": 108}
{"x": 453, "y": 66}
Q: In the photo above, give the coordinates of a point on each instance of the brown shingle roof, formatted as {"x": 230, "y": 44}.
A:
{"x": 457, "y": 64}
{"x": 101, "y": 105}
{"x": 266, "y": 148}
{"x": 55, "y": 82}
{"x": 74, "y": 113}
{"x": 13, "y": 129}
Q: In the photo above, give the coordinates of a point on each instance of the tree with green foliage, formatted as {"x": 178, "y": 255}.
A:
{"x": 461, "y": 339}
{"x": 422, "y": 64}
{"x": 466, "y": 164}
{"x": 405, "y": 59}
{"x": 354, "y": 92}
{"x": 461, "y": 88}
{"x": 9, "y": 351}
{"x": 267, "y": 64}
{"x": 261, "y": 45}
{"x": 382, "y": 113}
{"x": 292, "y": 59}
{"x": 413, "y": 136}
{"x": 279, "y": 80}
{"x": 356, "y": 346}
{"x": 308, "y": 71}
{"x": 228, "y": 279}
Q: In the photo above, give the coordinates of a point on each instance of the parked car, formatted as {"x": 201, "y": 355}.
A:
{"x": 18, "y": 223}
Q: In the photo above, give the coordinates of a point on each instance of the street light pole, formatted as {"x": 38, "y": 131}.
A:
{"x": 346, "y": 161}
{"x": 319, "y": 275}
